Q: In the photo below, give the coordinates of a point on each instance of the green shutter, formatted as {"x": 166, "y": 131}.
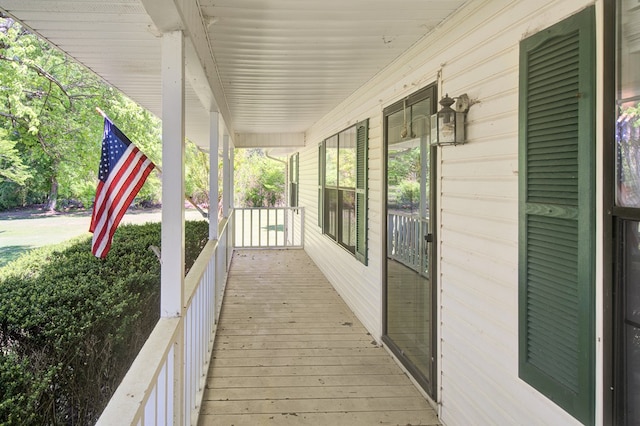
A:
{"x": 557, "y": 203}
{"x": 320, "y": 183}
{"x": 293, "y": 180}
{"x": 362, "y": 138}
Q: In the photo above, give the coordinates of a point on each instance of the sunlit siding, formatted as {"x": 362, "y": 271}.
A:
{"x": 358, "y": 284}
{"x": 475, "y": 53}
{"x": 479, "y": 251}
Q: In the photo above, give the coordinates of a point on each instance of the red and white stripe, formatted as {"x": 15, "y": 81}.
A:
{"x": 114, "y": 196}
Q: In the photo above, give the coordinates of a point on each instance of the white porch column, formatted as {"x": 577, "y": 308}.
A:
{"x": 226, "y": 177}
{"x": 172, "y": 270}
{"x": 232, "y": 162}
{"x": 214, "y": 143}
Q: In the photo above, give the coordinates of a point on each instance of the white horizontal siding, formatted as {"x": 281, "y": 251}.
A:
{"x": 475, "y": 52}
{"x": 479, "y": 251}
{"x": 359, "y": 285}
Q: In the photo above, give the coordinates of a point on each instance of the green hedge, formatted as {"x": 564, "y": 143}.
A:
{"x": 71, "y": 324}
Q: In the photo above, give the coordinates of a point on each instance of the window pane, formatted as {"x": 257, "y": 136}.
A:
{"x": 331, "y": 162}
{"x": 632, "y": 380}
{"x": 330, "y": 212}
{"x": 630, "y": 372}
{"x": 404, "y": 167}
{"x": 293, "y": 165}
{"x": 628, "y": 145}
{"x": 293, "y": 200}
{"x": 338, "y": 188}
{"x": 628, "y": 101}
{"x": 627, "y": 315}
{"x": 348, "y": 220}
{"x": 347, "y": 158}
{"x": 631, "y": 275}
{"x": 421, "y": 120}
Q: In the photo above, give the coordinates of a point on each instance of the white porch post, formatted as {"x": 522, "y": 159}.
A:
{"x": 226, "y": 173}
{"x": 172, "y": 269}
{"x": 232, "y": 161}
{"x": 214, "y": 143}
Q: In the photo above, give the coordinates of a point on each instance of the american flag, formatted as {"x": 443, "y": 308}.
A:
{"x": 123, "y": 171}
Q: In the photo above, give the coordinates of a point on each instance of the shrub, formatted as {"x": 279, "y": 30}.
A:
{"x": 71, "y": 324}
{"x": 409, "y": 192}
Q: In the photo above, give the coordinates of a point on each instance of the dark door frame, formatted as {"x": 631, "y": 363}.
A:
{"x": 609, "y": 95}
{"x": 430, "y": 387}
{"x": 613, "y": 226}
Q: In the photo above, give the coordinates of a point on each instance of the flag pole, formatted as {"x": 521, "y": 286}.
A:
{"x": 159, "y": 170}
{"x": 101, "y": 112}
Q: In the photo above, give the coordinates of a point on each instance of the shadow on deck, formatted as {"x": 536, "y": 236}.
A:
{"x": 288, "y": 351}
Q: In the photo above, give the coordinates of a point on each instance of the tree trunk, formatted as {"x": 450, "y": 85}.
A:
{"x": 53, "y": 195}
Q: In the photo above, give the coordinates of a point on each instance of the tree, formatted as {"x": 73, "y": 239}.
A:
{"x": 47, "y": 104}
{"x": 404, "y": 175}
{"x": 12, "y": 167}
{"x": 197, "y": 174}
{"x": 50, "y": 133}
{"x": 259, "y": 180}
{"x": 43, "y": 101}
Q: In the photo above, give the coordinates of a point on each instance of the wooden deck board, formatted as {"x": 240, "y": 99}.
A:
{"x": 224, "y": 353}
{"x": 280, "y": 361}
{"x": 236, "y": 345}
{"x": 314, "y": 405}
{"x": 289, "y": 351}
{"x": 310, "y": 381}
{"x": 309, "y": 392}
{"x": 417, "y": 417}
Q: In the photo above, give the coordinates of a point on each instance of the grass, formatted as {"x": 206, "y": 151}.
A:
{"x": 21, "y": 231}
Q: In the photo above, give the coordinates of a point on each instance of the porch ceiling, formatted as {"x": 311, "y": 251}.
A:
{"x": 275, "y": 67}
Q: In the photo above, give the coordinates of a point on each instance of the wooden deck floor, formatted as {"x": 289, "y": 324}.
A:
{"x": 288, "y": 351}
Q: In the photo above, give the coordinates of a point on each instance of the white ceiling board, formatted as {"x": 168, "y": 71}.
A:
{"x": 278, "y": 66}
{"x": 286, "y": 63}
{"x": 114, "y": 39}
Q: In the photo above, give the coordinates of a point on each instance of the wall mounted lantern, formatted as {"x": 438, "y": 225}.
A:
{"x": 448, "y": 124}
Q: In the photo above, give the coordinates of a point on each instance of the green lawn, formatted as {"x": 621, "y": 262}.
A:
{"x": 24, "y": 230}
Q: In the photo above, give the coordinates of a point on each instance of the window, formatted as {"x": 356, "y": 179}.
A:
{"x": 624, "y": 203}
{"x": 342, "y": 188}
{"x": 556, "y": 214}
{"x": 294, "y": 173}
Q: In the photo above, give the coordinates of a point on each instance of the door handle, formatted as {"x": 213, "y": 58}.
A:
{"x": 429, "y": 239}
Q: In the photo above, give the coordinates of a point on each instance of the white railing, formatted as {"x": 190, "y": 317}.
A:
{"x": 407, "y": 240}
{"x": 269, "y": 227}
{"x": 166, "y": 381}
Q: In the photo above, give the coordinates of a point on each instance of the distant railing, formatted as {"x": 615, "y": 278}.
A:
{"x": 178, "y": 351}
{"x": 269, "y": 227}
{"x": 407, "y": 240}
